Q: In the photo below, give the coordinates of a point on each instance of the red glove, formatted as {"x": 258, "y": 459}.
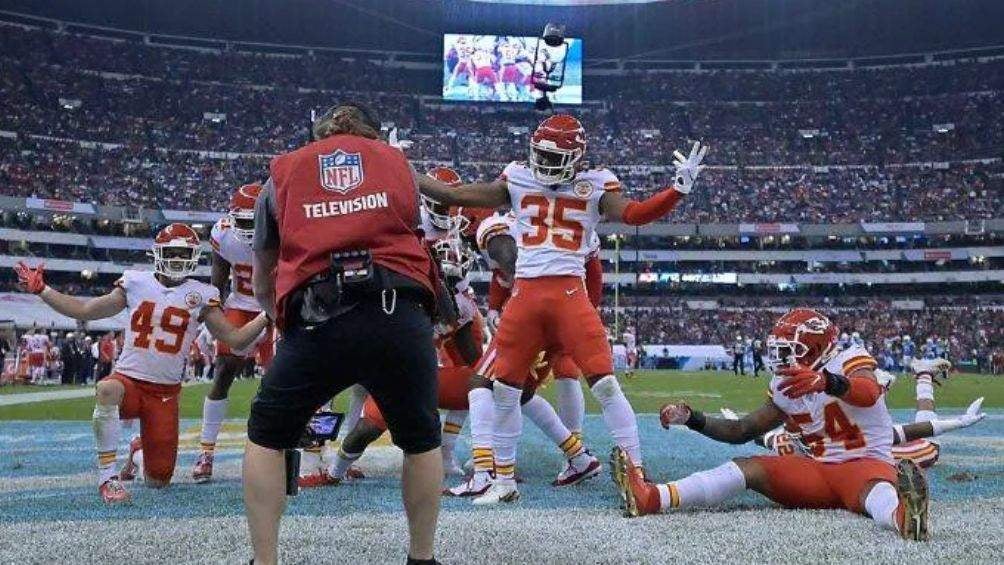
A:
{"x": 674, "y": 415}
{"x": 31, "y": 278}
{"x": 800, "y": 381}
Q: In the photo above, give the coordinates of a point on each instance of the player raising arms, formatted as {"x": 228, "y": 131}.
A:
{"x": 834, "y": 400}
{"x": 165, "y": 307}
{"x": 557, "y": 206}
{"x": 230, "y": 238}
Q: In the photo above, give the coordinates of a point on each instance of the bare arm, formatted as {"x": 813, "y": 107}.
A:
{"x": 263, "y": 278}
{"x": 747, "y": 428}
{"x": 469, "y": 349}
{"x": 475, "y": 195}
{"x": 502, "y": 250}
{"x": 235, "y": 338}
{"x": 85, "y": 309}
{"x": 220, "y": 275}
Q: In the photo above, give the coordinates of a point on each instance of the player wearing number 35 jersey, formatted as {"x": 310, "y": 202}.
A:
{"x": 165, "y": 308}
{"x": 833, "y": 400}
{"x": 557, "y": 204}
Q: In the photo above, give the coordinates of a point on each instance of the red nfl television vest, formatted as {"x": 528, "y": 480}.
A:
{"x": 344, "y": 193}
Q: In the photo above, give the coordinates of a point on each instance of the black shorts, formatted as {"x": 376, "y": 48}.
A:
{"x": 392, "y": 355}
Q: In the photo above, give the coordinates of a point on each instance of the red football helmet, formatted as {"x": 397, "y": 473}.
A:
{"x": 442, "y": 216}
{"x": 241, "y": 214}
{"x": 176, "y": 251}
{"x": 804, "y": 337}
{"x": 556, "y": 147}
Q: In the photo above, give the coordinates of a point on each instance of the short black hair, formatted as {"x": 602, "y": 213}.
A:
{"x": 360, "y": 111}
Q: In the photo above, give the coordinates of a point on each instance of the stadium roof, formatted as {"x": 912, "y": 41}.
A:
{"x": 676, "y": 29}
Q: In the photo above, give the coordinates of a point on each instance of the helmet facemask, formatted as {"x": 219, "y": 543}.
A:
{"x": 242, "y": 222}
{"x": 454, "y": 258}
{"x": 552, "y": 165}
{"x": 175, "y": 259}
{"x": 441, "y": 217}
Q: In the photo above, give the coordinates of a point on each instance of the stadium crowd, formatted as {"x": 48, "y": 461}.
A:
{"x": 185, "y": 126}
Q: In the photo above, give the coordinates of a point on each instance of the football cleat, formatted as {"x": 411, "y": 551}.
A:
{"x": 475, "y": 485}
{"x": 203, "y": 470}
{"x": 131, "y": 469}
{"x": 112, "y": 492}
{"x": 639, "y": 497}
{"x": 318, "y": 479}
{"x": 354, "y": 473}
{"x": 913, "y": 501}
{"x": 497, "y": 493}
{"x": 573, "y": 475}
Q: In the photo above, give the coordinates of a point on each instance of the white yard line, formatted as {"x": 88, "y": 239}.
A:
{"x": 28, "y": 397}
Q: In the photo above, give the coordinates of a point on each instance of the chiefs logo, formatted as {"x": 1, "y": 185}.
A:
{"x": 815, "y": 325}
{"x": 193, "y": 299}
{"x": 583, "y": 189}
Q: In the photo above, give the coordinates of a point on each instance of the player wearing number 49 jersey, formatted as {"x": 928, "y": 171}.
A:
{"x": 165, "y": 307}
{"x": 834, "y": 400}
{"x": 557, "y": 204}
{"x": 231, "y": 242}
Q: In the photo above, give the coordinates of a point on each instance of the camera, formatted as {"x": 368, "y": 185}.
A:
{"x": 554, "y": 34}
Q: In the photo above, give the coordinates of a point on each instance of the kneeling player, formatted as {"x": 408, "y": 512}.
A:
{"x": 834, "y": 400}
{"x": 165, "y": 307}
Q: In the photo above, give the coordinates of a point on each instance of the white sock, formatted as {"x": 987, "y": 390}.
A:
{"x": 453, "y": 423}
{"x": 542, "y": 414}
{"x": 107, "y": 433}
{"x": 310, "y": 461}
{"x": 482, "y": 411}
{"x": 619, "y": 416}
{"x": 925, "y": 416}
{"x": 571, "y": 404}
{"x": 704, "y": 488}
{"x": 508, "y": 425}
{"x": 881, "y": 504}
{"x": 341, "y": 464}
{"x": 925, "y": 388}
{"x": 213, "y": 413}
{"x": 355, "y": 410}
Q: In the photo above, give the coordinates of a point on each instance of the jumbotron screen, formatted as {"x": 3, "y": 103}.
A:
{"x": 500, "y": 68}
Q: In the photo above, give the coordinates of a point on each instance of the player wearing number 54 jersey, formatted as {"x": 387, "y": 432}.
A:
{"x": 165, "y": 307}
{"x": 557, "y": 204}
{"x": 833, "y": 399}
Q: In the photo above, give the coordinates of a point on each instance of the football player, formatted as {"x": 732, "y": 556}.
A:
{"x": 833, "y": 398}
{"x": 557, "y": 204}
{"x": 165, "y": 307}
{"x": 230, "y": 239}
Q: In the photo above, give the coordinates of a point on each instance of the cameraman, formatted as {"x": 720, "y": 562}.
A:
{"x": 345, "y": 320}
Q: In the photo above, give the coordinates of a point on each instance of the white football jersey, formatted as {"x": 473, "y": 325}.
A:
{"x": 233, "y": 249}
{"x": 555, "y": 225}
{"x": 833, "y": 430}
{"x": 496, "y": 224}
{"x": 163, "y": 322}
{"x": 37, "y": 343}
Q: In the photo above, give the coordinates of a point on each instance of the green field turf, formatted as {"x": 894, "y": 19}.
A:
{"x": 648, "y": 390}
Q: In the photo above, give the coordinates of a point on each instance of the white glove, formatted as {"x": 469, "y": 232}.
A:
{"x": 399, "y": 144}
{"x": 687, "y": 168}
{"x": 971, "y": 416}
{"x": 728, "y": 414}
{"x": 935, "y": 367}
{"x": 493, "y": 320}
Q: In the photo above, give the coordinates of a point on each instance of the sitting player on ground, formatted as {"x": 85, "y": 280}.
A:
{"x": 909, "y": 440}
{"x": 165, "y": 307}
{"x": 230, "y": 238}
{"x": 557, "y": 205}
{"x": 832, "y": 397}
